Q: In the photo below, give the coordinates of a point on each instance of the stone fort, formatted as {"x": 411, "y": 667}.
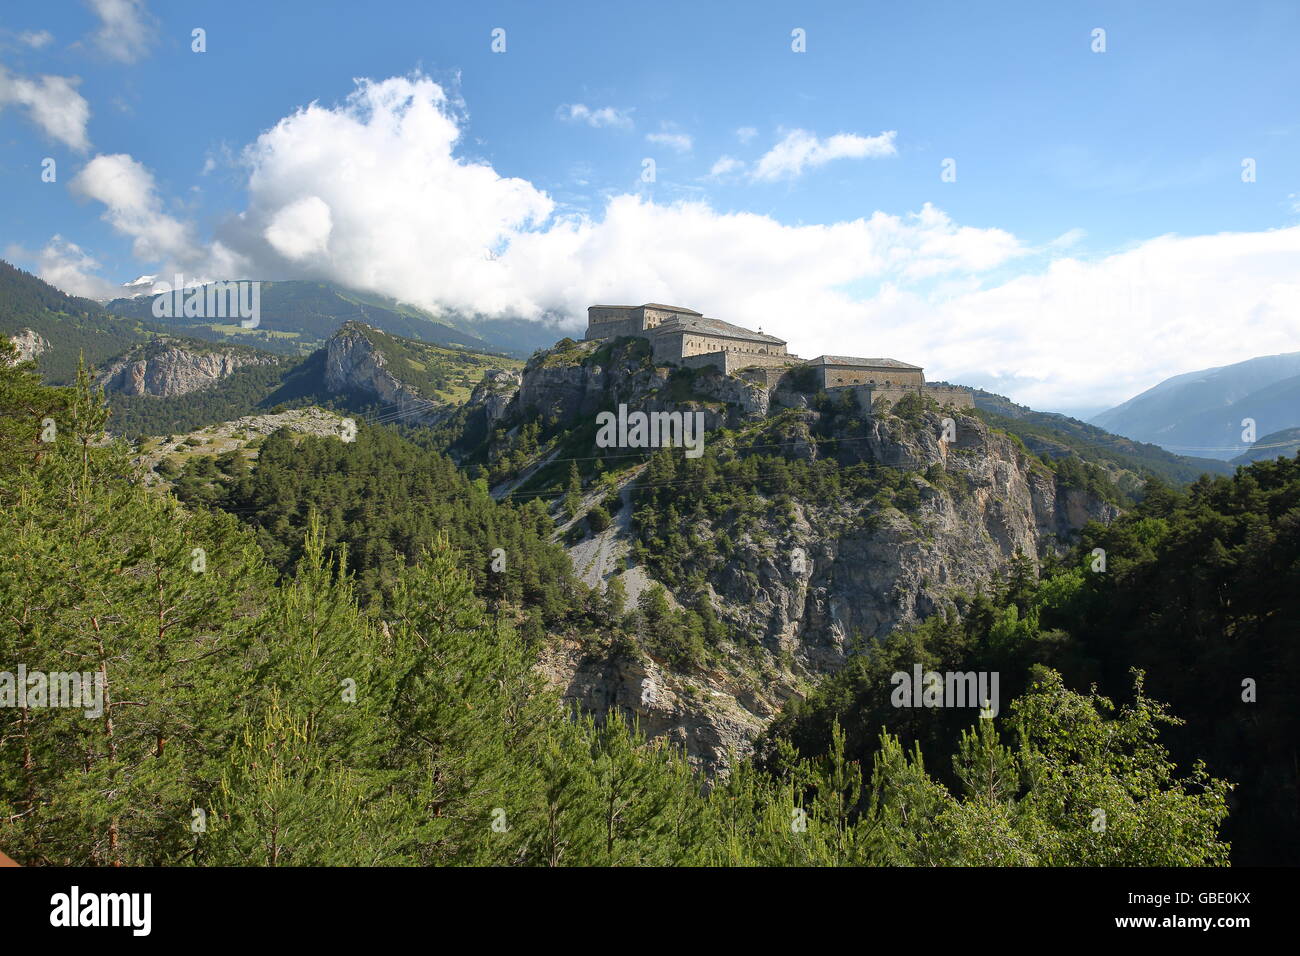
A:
{"x": 684, "y": 337}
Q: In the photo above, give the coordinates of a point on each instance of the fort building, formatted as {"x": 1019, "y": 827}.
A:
{"x": 676, "y": 333}
{"x": 609, "y": 321}
{"x": 681, "y": 336}
{"x": 835, "y": 370}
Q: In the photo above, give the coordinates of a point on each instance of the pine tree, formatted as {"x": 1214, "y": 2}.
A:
{"x": 573, "y": 491}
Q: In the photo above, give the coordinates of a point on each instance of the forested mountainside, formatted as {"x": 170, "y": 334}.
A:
{"x": 1198, "y": 590}
{"x": 803, "y": 527}
{"x": 304, "y": 727}
{"x": 298, "y": 317}
{"x": 61, "y": 327}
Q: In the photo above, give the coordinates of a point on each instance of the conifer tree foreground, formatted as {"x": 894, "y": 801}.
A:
{"x": 257, "y": 718}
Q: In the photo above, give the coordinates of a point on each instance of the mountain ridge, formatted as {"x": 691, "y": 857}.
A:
{"x": 299, "y": 315}
{"x": 1204, "y": 411}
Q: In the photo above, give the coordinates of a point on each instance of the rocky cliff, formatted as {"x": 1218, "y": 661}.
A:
{"x": 797, "y": 578}
{"x": 494, "y": 394}
{"x": 29, "y": 344}
{"x": 353, "y": 364}
{"x": 167, "y": 367}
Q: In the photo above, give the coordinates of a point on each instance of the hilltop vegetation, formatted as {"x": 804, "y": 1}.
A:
{"x": 383, "y": 501}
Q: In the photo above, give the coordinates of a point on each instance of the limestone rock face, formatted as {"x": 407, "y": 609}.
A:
{"x": 164, "y": 368}
{"x": 701, "y": 713}
{"x": 804, "y": 587}
{"x": 494, "y": 394}
{"x": 585, "y": 383}
{"x": 353, "y": 364}
{"x": 29, "y": 344}
{"x": 841, "y": 571}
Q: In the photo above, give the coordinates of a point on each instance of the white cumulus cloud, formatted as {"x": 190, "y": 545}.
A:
{"x": 133, "y": 207}
{"x": 301, "y": 229}
{"x": 371, "y": 193}
{"x": 52, "y": 103}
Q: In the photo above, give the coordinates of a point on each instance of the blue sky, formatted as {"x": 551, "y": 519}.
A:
{"x": 1071, "y": 165}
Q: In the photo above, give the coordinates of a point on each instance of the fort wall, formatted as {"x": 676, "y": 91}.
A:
{"x": 731, "y": 362}
{"x": 833, "y": 376}
{"x": 945, "y": 395}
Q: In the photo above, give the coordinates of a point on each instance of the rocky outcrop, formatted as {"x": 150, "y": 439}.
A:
{"x": 803, "y": 580}
{"x": 701, "y": 713}
{"x": 165, "y": 368}
{"x": 851, "y": 568}
{"x": 494, "y": 394}
{"x": 577, "y": 382}
{"x": 354, "y": 365}
{"x": 30, "y": 345}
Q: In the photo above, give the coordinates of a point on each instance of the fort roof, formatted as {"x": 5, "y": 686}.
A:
{"x": 649, "y": 305}
{"x": 671, "y": 308}
{"x": 849, "y": 361}
{"x": 715, "y": 327}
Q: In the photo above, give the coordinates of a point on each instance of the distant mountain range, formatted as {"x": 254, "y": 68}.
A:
{"x": 1201, "y": 413}
{"x": 298, "y": 316}
{"x": 296, "y": 319}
